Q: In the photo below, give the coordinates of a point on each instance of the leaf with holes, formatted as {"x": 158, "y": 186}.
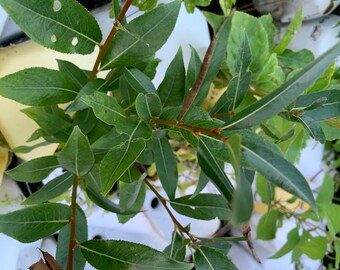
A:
{"x": 35, "y": 222}
{"x": 38, "y": 87}
{"x": 117, "y": 161}
{"x": 203, "y": 206}
{"x": 166, "y": 164}
{"x": 277, "y": 100}
{"x": 52, "y": 189}
{"x": 35, "y": 170}
{"x": 136, "y": 43}
{"x": 77, "y": 156}
{"x": 53, "y": 24}
{"x": 108, "y": 255}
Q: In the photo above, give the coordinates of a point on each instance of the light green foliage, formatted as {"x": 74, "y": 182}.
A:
{"x": 50, "y": 24}
{"x": 121, "y": 130}
{"x": 107, "y": 254}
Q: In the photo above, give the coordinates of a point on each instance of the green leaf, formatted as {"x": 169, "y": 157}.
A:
{"x": 267, "y": 226}
{"x": 331, "y": 132}
{"x": 166, "y": 165}
{"x": 214, "y": 58}
{"x": 226, "y": 6}
{"x": 220, "y": 244}
{"x": 214, "y": 170}
{"x": 277, "y": 100}
{"x": 96, "y": 85}
{"x": 51, "y": 190}
{"x": 117, "y": 161}
{"x": 243, "y": 23}
{"x": 190, "y": 4}
{"x": 58, "y": 126}
{"x": 145, "y": 4}
{"x": 203, "y": 206}
{"x": 264, "y": 189}
{"x": 278, "y": 171}
{"x": 108, "y": 255}
{"x": 315, "y": 248}
{"x": 136, "y": 43}
{"x": 177, "y": 248}
{"x": 64, "y": 239}
{"x": 295, "y": 60}
{"x": 38, "y": 87}
{"x": 328, "y": 109}
{"x": 203, "y": 180}
{"x": 26, "y": 149}
{"x": 313, "y": 128}
{"x": 207, "y": 258}
{"x": 105, "y": 108}
{"x": 77, "y": 75}
{"x": 332, "y": 213}
{"x": 337, "y": 253}
{"x": 138, "y": 80}
{"x": 171, "y": 90}
{"x": 148, "y": 106}
{"x": 77, "y": 156}
{"x": 288, "y": 36}
{"x": 131, "y": 198}
{"x": 213, "y": 19}
{"x": 239, "y": 84}
{"x": 35, "y": 222}
{"x": 105, "y": 203}
{"x": 35, "y": 170}
{"x": 293, "y": 239}
{"x": 110, "y": 140}
{"x": 53, "y": 24}
{"x": 134, "y": 128}
{"x": 193, "y": 69}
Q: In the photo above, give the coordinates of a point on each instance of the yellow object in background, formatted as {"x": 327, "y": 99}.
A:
{"x": 15, "y": 126}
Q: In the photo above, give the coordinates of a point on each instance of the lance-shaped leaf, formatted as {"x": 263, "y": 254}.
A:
{"x": 166, "y": 165}
{"x": 313, "y": 128}
{"x": 293, "y": 239}
{"x": 136, "y": 43}
{"x": 35, "y": 222}
{"x": 329, "y": 108}
{"x": 202, "y": 206}
{"x": 267, "y": 226}
{"x": 277, "y": 100}
{"x": 238, "y": 86}
{"x": 106, "y": 108}
{"x": 177, "y": 248}
{"x": 117, "y": 161}
{"x": 214, "y": 170}
{"x": 138, "y": 80}
{"x": 110, "y": 140}
{"x": 108, "y": 255}
{"x": 131, "y": 198}
{"x": 38, "y": 87}
{"x": 148, "y": 106}
{"x": 52, "y": 189}
{"x": 212, "y": 62}
{"x": 52, "y": 23}
{"x": 193, "y": 69}
{"x": 278, "y": 171}
{"x": 207, "y": 258}
{"x": 35, "y": 170}
{"x": 77, "y": 156}
{"x": 105, "y": 203}
{"x": 78, "y": 76}
{"x": 172, "y": 89}
{"x": 52, "y": 121}
{"x": 64, "y": 240}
